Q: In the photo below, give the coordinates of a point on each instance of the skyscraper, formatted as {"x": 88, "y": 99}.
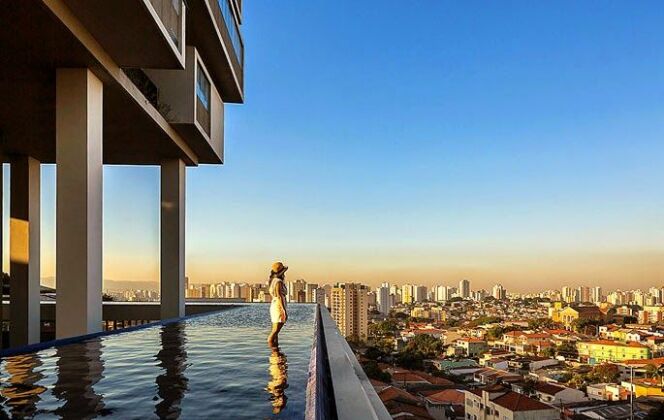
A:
{"x": 567, "y": 294}
{"x": 499, "y": 292}
{"x": 408, "y": 293}
{"x": 349, "y": 308}
{"x": 319, "y": 296}
{"x": 310, "y": 290}
{"x": 584, "y": 293}
{"x": 440, "y": 294}
{"x": 384, "y": 299}
{"x": 395, "y": 291}
{"x": 464, "y": 289}
{"x": 420, "y": 293}
{"x": 294, "y": 289}
{"x": 597, "y": 294}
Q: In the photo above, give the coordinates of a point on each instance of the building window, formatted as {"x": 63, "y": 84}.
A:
{"x": 203, "y": 88}
{"x": 203, "y": 99}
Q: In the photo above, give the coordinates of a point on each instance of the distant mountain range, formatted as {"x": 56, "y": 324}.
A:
{"x": 114, "y": 284}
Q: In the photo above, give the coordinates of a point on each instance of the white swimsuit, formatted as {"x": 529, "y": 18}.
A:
{"x": 277, "y": 315}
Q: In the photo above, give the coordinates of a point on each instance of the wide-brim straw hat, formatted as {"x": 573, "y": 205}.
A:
{"x": 279, "y": 268}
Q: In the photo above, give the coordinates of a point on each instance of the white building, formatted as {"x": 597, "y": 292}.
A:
{"x": 597, "y": 294}
{"x": 384, "y": 298}
{"x": 506, "y": 405}
{"x": 499, "y": 292}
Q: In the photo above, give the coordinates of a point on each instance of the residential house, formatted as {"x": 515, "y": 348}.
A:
{"x": 556, "y": 394}
{"x": 468, "y": 346}
{"x": 446, "y": 405}
{"x": 607, "y": 392}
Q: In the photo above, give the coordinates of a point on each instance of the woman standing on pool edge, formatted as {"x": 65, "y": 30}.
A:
{"x": 278, "y": 314}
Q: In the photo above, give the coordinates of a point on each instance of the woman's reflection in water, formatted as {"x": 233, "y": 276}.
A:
{"x": 278, "y": 380}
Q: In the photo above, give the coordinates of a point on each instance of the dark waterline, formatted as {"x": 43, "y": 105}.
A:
{"x": 215, "y": 366}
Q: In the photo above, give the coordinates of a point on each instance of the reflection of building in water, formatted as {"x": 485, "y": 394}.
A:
{"x": 79, "y": 368}
{"x": 172, "y": 383}
{"x": 278, "y": 380}
{"x": 21, "y": 391}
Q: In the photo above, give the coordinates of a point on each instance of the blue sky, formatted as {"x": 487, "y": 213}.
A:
{"x": 505, "y": 142}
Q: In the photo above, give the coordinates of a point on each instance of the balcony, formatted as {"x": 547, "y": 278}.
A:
{"x": 136, "y": 33}
{"x": 216, "y": 35}
{"x": 191, "y": 103}
{"x": 197, "y": 366}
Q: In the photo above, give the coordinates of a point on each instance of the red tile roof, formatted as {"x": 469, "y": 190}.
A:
{"x": 656, "y": 361}
{"x": 407, "y": 377}
{"x": 471, "y": 340}
{"x": 390, "y": 393}
{"x": 377, "y": 383}
{"x": 537, "y": 335}
{"x": 548, "y": 388}
{"x": 451, "y": 396}
{"x": 514, "y": 401}
{"x": 435, "y": 380}
{"x": 398, "y": 410}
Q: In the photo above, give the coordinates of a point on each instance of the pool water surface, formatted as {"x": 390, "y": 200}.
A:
{"x": 212, "y": 366}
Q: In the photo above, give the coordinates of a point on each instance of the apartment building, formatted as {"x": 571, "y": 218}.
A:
{"x": 600, "y": 351}
{"x": 349, "y": 309}
{"x": 86, "y": 83}
{"x": 497, "y": 403}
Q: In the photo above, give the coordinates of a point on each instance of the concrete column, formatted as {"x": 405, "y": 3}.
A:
{"x": 172, "y": 238}
{"x": 24, "y": 251}
{"x": 79, "y": 100}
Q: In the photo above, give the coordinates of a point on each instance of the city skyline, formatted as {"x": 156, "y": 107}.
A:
{"x": 471, "y": 148}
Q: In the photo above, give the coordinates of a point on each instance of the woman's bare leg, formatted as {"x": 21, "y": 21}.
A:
{"x": 273, "y": 339}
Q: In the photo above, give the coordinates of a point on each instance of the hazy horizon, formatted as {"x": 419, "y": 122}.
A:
{"x": 513, "y": 145}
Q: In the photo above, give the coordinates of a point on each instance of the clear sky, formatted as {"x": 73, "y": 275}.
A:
{"x": 511, "y": 142}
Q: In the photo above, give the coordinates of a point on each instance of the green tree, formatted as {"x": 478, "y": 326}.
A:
{"x": 373, "y": 353}
{"x": 426, "y": 345}
{"x": 606, "y": 372}
{"x": 568, "y": 350}
{"x": 549, "y": 352}
{"x": 410, "y": 360}
{"x": 587, "y": 326}
{"x": 373, "y": 371}
{"x": 538, "y": 323}
{"x": 486, "y": 320}
{"x": 382, "y": 329}
{"x": 651, "y": 371}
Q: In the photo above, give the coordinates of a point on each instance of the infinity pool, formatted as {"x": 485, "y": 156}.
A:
{"x": 212, "y": 366}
